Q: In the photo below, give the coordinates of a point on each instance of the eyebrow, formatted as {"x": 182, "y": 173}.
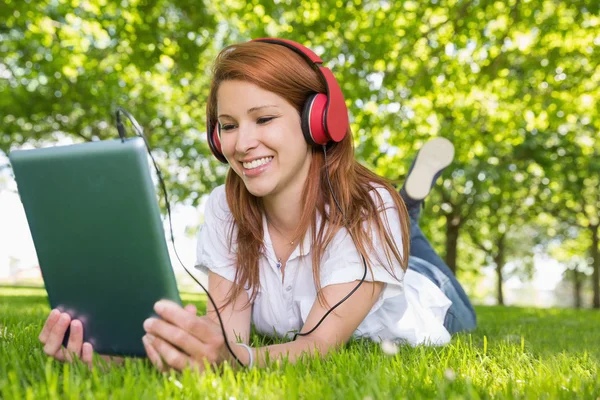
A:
{"x": 250, "y": 110}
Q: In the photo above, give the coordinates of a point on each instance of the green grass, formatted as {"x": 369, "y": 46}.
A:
{"x": 515, "y": 353}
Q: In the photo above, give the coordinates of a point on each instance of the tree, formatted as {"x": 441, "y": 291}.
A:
{"x": 67, "y": 65}
{"x": 574, "y": 193}
{"x": 503, "y": 225}
{"x": 517, "y": 80}
{"x": 569, "y": 248}
{"x": 501, "y": 80}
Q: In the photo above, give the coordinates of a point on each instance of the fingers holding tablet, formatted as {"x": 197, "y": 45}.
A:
{"x": 161, "y": 353}
{"x": 53, "y": 333}
{"x": 191, "y": 309}
{"x": 152, "y": 353}
{"x": 75, "y": 343}
{"x": 174, "y": 314}
{"x": 57, "y": 324}
{"x": 50, "y": 322}
{"x": 57, "y": 327}
{"x": 87, "y": 354}
{"x": 174, "y": 335}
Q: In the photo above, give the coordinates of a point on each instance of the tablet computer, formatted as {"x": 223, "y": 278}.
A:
{"x": 94, "y": 217}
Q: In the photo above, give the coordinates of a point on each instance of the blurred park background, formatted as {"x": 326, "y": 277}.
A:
{"x": 513, "y": 84}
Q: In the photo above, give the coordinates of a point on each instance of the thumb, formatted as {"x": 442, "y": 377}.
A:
{"x": 191, "y": 309}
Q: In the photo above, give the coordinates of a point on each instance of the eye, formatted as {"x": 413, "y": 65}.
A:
{"x": 227, "y": 127}
{"x": 264, "y": 120}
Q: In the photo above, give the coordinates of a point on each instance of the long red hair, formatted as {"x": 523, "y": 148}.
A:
{"x": 280, "y": 70}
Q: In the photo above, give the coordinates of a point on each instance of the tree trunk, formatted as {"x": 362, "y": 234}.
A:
{"x": 452, "y": 231}
{"x": 499, "y": 261}
{"x": 596, "y": 265}
{"x": 577, "y": 287}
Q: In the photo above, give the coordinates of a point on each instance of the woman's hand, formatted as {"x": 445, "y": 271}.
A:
{"x": 181, "y": 338}
{"x": 52, "y": 335}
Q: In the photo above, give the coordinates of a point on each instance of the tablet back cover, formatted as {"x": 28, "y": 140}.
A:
{"x": 95, "y": 222}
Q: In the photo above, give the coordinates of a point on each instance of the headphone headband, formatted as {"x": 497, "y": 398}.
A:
{"x": 304, "y": 51}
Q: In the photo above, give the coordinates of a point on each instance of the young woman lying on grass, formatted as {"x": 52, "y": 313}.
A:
{"x": 280, "y": 249}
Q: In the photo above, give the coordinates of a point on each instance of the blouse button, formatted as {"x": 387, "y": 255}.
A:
{"x": 288, "y": 288}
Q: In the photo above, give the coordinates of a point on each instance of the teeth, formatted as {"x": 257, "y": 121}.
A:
{"x": 257, "y": 163}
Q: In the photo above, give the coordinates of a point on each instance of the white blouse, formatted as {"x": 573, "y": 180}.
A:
{"x": 412, "y": 309}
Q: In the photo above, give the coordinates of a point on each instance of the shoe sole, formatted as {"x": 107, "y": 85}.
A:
{"x": 433, "y": 157}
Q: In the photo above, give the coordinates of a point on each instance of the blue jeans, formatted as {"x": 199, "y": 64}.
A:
{"x": 424, "y": 260}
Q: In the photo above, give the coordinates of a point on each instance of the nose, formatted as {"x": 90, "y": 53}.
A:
{"x": 246, "y": 139}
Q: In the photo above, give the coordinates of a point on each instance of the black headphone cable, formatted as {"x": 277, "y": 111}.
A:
{"x": 140, "y": 132}
{"x": 349, "y": 233}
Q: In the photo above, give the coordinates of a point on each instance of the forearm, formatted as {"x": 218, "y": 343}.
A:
{"x": 291, "y": 350}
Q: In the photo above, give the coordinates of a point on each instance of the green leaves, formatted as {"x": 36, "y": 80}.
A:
{"x": 513, "y": 84}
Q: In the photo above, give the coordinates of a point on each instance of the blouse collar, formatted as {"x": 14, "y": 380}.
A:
{"x": 306, "y": 242}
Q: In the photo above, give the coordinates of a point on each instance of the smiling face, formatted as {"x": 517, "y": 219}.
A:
{"x": 262, "y": 139}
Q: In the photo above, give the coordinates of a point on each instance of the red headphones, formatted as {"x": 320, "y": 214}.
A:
{"x": 324, "y": 115}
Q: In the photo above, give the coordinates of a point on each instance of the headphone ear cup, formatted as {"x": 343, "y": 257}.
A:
{"x": 312, "y": 120}
{"x": 214, "y": 143}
